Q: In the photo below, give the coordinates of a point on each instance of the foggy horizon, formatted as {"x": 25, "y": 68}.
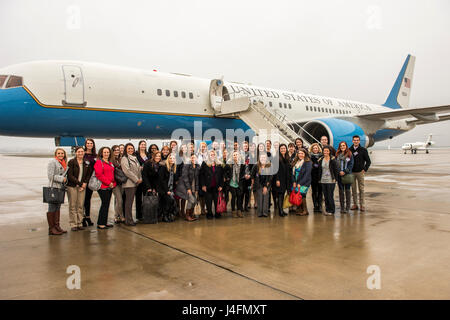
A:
{"x": 352, "y": 51}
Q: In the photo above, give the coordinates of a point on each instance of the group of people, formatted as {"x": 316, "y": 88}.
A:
{"x": 189, "y": 183}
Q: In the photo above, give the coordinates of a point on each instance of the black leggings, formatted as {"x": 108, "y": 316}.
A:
{"x": 105, "y": 196}
{"x": 280, "y": 200}
{"x": 245, "y": 194}
{"x": 211, "y": 196}
{"x": 87, "y": 202}
{"x": 139, "y": 196}
{"x": 316, "y": 188}
{"x": 236, "y": 198}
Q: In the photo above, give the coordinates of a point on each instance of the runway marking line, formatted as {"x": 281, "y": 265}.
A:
{"x": 213, "y": 263}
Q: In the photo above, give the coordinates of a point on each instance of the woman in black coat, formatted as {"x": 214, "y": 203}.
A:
{"x": 150, "y": 173}
{"x": 142, "y": 156}
{"x": 245, "y": 174}
{"x": 281, "y": 179}
{"x": 166, "y": 188}
{"x": 188, "y": 186}
{"x": 211, "y": 182}
{"x": 315, "y": 152}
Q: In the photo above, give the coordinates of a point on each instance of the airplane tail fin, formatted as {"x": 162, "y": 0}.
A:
{"x": 399, "y": 96}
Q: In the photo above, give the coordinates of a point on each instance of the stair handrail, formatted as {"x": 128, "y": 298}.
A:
{"x": 279, "y": 116}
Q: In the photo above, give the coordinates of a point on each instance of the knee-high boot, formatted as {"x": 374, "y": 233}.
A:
{"x": 342, "y": 200}
{"x": 51, "y": 224}
{"x": 348, "y": 199}
{"x": 57, "y": 226}
{"x": 202, "y": 205}
{"x": 305, "y": 207}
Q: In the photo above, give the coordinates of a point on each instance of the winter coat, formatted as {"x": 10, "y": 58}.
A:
{"x": 283, "y": 175}
{"x": 184, "y": 184}
{"x": 132, "y": 169}
{"x": 304, "y": 177}
{"x": 56, "y": 172}
{"x": 140, "y": 159}
{"x": 73, "y": 171}
{"x": 227, "y": 172}
{"x": 206, "y": 174}
{"x": 315, "y": 178}
{"x": 334, "y": 168}
{"x": 361, "y": 159}
{"x": 261, "y": 180}
{"x": 150, "y": 175}
{"x": 245, "y": 183}
{"x": 345, "y": 165}
{"x": 164, "y": 176}
{"x": 105, "y": 173}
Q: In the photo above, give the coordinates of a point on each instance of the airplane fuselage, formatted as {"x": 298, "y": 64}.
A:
{"x": 79, "y": 99}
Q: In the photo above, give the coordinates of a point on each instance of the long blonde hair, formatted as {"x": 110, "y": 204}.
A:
{"x": 174, "y": 165}
{"x": 208, "y": 160}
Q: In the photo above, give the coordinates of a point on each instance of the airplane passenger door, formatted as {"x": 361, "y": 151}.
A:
{"x": 73, "y": 86}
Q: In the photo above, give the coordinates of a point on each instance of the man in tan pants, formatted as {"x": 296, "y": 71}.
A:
{"x": 359, "y": 179}
{"x": 360, "y": 166}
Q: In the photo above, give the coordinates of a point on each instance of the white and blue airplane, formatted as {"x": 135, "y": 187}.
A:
{"x": 418, "y": 146}
{"x": 71, "y": 100}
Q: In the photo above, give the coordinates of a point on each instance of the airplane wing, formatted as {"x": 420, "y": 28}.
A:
{"x": 419, "y": 122}
{"x": 423, "y": 115}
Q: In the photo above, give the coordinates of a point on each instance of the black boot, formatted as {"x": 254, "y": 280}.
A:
{"x": 348, "y": 199}
{"x": 87, "y": 222}
{"x": 342, "y": 200}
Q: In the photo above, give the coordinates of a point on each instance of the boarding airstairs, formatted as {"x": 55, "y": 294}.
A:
{"x": 250, "y": 109}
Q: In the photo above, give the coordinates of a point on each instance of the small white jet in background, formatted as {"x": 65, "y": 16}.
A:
{"x": 418, "y": 146}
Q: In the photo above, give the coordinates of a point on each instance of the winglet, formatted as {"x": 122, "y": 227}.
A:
{"x": 399, "y": 96}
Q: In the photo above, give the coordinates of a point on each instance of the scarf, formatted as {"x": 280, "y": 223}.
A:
{"x": 62, "y": 162}
{"x": 236, "y": 169}
{"x": 297, "y": 168}
{"x": 170, "y": 184}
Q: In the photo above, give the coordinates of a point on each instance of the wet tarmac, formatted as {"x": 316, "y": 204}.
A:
{"x": 405, "y": 232}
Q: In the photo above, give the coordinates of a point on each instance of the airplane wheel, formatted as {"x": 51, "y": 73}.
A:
{"x": 427, "y": 151}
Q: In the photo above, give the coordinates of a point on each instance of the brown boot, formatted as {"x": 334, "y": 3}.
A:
{"x": 51, "y": 224}
{"x": 188, "y": 216}
{"x": 305, "y": 207}
{"x": 57, "y": 216}
{"x": 239, "y": 214}
{"x": 202, "y": 206}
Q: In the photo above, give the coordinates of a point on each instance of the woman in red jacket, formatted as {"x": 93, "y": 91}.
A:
{"x": 104, "y": 171}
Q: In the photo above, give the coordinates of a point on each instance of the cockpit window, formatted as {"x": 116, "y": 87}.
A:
{"x": 14, "y": 81}
{"x": 2, "y": 80}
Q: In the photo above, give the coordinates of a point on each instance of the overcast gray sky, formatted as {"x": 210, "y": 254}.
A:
{"x": 350, "y": 49}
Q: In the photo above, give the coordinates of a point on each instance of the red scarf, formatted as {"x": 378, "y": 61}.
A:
{"x": 62, "y": 162}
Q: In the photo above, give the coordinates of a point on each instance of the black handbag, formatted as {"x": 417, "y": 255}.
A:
{"x": 53, "y": 195}
{"x": 120, "y": 176}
